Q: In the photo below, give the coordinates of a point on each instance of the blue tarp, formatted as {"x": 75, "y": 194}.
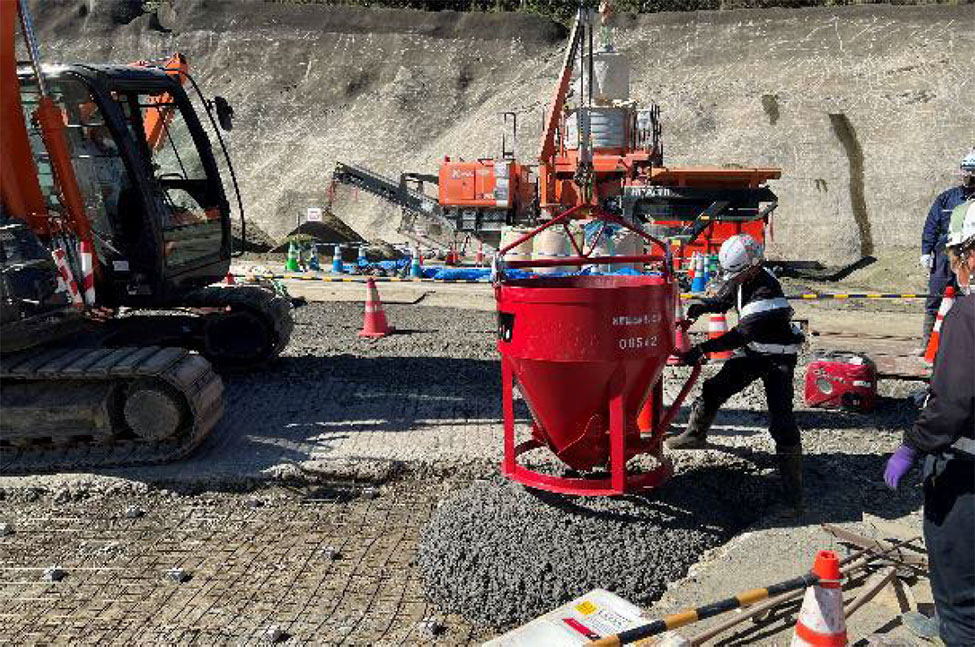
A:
{"x": 461, "y": 273}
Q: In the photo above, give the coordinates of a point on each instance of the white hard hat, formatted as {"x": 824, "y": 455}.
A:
{"x": 738, "y": 253}
{"x": 961, "y": 226}
{"x": 968, "y": 163}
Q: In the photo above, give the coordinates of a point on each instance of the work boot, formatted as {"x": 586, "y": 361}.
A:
{"x": 695, "y": 436}
{"x": 929, "y": 319}
{"x": 790, "y": 471}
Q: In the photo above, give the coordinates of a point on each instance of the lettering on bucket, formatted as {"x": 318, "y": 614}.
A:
{"x": 637, "y": 320}
{"x": 632, "y": 343}
{"x": 506, "y": 325}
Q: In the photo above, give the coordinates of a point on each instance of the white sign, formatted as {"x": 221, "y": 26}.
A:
{"x": 314, "y": 214}
{"x": 595, "y": 615}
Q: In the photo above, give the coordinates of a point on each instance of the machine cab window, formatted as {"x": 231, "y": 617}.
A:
{"x": 184, "y": 195}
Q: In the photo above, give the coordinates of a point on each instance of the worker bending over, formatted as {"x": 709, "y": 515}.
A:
{"x": 766, "y": 342}
{"x": 945, "y": 434}
{"x": 933, "y": 256}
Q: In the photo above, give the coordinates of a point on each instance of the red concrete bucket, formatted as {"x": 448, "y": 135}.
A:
{"x": 588, "y": 353}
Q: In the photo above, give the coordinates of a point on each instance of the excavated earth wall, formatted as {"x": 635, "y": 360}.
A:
{"x": 863, "y": 107}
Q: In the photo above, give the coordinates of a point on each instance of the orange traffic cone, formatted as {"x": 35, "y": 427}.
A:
{"x": 717, "y": 326}
{"x": 821, "y": 621}
{"x": 946, "y": 302}
{"x": 682, "y": 342}
{"x": 230, "y": 279}
{"x": 374, "y": 323}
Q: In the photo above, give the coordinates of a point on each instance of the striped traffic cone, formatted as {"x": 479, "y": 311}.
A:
{"x": 374, "y": 323}
{"x": 717, "y": 326}
{"x": 682, "y": 342}
{"x": 700, "y": 278}
{"x": 479, "y": 258}
{"x": 87, "y": 272}
{"x": 821, "y": 620}
{"x": 67, "y": 279}
{"x": 946, "y": 302}
{"x": 314, "y": 263}
{"x": 292, "y": 263}
{"x": 230, "y": 279}
{"x": 416, "y": 264}
{"x": 337, "y": 267}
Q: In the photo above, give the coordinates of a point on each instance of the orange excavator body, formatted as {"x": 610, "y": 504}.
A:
{"x": 21, "y": 191}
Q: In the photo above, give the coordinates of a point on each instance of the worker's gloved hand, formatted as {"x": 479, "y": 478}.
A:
{"x": 927, "y": 261}
{"x": 695, "y": 310}
{"x": 693, "y": 356}
{"x": 898, "y": 465}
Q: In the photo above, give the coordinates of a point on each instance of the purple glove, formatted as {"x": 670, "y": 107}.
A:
{"x": 898, "y": 465}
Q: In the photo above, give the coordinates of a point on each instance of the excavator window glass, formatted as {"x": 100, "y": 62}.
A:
{"x": 191, "y": 228}
{"x": 101, "y": 173}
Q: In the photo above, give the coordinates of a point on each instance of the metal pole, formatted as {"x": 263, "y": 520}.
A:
{"x": 851, "y": 563}
{"x": 35, "y": 57}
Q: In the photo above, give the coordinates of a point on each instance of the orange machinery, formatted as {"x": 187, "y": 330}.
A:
{"x": 600, "y": 148}
{"x": 485, "y": 193}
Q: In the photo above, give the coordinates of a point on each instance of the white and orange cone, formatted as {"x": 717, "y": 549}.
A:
{"x": 717, "y": 326}
{"x": 682, "y": 342}
{"x": 87, "y": 272}
{"x": 946, "y": 302}
{"x": 821, "y": 621}
{"x": 67, "y": 279}
{"x": 479, "y": 258}
{"x": 374, "y": 323}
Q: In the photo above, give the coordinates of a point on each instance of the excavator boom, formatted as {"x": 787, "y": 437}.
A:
{"x": 22, "y": 194}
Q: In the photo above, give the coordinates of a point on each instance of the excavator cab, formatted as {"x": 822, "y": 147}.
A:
{"x": 148, "y": 176}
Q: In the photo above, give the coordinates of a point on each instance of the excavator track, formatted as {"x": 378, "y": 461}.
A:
{"x": 68, "y": 408}
{"x": 250, "y": 327}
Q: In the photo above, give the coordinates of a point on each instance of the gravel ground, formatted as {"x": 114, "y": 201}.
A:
{"x": 501, "y": 554}
{"x": 422, "y": 408}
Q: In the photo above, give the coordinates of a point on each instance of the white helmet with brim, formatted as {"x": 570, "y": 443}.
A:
{"x": 961, "y": 226}
{"x": 739, "y": 253}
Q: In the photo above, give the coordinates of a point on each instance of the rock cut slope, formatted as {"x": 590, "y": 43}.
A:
{"x": 867, "y": 109}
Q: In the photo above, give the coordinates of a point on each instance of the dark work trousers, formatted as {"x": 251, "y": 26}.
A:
{"x": 776, "y": 372}
{"x": 949, "y": 535}
{"x": 940, "y": 278}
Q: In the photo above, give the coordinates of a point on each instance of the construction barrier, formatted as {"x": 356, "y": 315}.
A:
{"x": 812, "y": 296}
{"x": 486, "y": 279}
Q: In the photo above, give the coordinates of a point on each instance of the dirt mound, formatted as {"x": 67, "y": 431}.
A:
{"x": 255, "y": 238}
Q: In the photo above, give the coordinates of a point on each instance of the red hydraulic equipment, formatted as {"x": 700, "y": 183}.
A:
{"x": 588, "y": 353}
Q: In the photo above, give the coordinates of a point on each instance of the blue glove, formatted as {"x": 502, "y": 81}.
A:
{"x": 898, "y": 465}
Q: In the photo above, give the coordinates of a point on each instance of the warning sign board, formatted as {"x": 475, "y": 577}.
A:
{"x": 313, "y": 214}
{"x": 595, "y": 615}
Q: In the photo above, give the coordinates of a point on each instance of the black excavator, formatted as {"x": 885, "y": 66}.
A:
{"x": 115, "y": 233}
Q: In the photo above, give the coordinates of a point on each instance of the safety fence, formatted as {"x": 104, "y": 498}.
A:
{"x": 361, "y": 278}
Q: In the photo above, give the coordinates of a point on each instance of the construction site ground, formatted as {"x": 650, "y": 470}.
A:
{"x": 306, "y": 509}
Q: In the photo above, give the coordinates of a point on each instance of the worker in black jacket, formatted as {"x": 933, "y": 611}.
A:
{"x": 945, "y": 434}
{"x": 767, "y": 344}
